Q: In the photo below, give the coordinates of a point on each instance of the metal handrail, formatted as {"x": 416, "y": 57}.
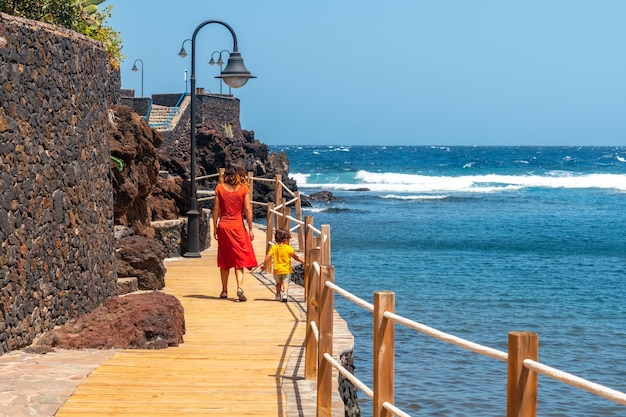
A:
{"x": 171, "y": 114}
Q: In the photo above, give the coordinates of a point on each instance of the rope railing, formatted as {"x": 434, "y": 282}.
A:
{"x": 521, "y": 356}
{"x": 453, "y": 340}
{"x": 263, "y": 179}
{"x": 575, "y": 381}
{"x": 315, "y": 331}
{"x": 293, "y": 219}
{"x": 318, "y": 231}
{"x": 349, "y": 375}
{"x": 206, "y": 177}
{"x": 288, "y": 190}
{"x": 350, "y": 297}
{"x": 395, "y": 410}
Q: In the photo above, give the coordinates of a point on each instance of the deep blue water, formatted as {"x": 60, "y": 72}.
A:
{"x": 477, "y": 242}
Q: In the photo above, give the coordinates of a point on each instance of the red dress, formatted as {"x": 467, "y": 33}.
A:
{"x": 234, "y": 247}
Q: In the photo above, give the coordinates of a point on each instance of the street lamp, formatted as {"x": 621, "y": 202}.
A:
{"x": 234, "y": 75}
{"x": 182, "y": 52}
{"x": 219, "y": 63}
{"x": 134, "y": 69}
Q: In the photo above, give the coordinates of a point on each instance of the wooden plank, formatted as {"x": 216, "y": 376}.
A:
{"x": 231, "y": 361}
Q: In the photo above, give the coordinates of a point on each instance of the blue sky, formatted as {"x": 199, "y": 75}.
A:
{"x": 400, "y": 72}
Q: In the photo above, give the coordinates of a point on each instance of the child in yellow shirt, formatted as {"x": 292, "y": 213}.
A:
{"x": 282, "y": 253}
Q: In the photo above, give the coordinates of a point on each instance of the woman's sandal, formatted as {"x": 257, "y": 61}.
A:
{"x": 224, "y": 294}
{"x": 240, "y": 295}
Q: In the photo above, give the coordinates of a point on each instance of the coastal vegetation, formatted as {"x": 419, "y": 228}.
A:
{"x": 82, "y": 16}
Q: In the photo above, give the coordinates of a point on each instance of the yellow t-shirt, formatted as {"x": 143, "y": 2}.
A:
{"x": 281, "y": 254}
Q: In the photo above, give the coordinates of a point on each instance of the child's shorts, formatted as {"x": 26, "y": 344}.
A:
{"x": 282, "y": 278}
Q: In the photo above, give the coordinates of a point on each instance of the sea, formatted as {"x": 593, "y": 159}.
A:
{"x": 478, "y": 242}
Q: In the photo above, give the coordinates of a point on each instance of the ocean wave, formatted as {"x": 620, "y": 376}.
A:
{"x": 391, "y": 182}
{"x": 414, "y": 197}
{"x": 314, "y": 209}
{"x": 325, "y": 209}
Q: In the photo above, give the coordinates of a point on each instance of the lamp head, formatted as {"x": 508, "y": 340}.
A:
{"x": 182, "y": 52}
{"x": 235, "y": 74}
{"x": 134, "y": 68}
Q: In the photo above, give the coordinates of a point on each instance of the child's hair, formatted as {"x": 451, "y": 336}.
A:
{"x": 282, "y": 235}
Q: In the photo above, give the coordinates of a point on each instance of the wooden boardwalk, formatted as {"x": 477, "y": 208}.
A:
{"x": 232, "y": 360}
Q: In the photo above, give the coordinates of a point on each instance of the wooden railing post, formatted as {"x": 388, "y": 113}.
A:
{"x": 269, "y": 230}
{"x": 308, "y": 245}
{"x": 521, "y": 400}
{"x": 324, "y": 368}
{"x": 221, "y": 172}
{"x": 286, "y": 223}
{"x": 278, "y": 189}
{"x": 250, "y": 182}
{"x": 384, "y": 349}
{"x": 299, "y": 217}
{"x": 312, "y": 315}
{"x": 326, "y": 244}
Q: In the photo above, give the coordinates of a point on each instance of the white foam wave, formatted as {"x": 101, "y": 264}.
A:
{"x": 621, "y": 159}
{"x": 422, "y": 184}
{"x": 313, "y": 209}
{"x": 414, "y": 197}
{"x": 301, "y": 179}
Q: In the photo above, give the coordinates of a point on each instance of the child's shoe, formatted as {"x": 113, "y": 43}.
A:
{"x": 284, "y": 297}
{"x": 278, "y": 298}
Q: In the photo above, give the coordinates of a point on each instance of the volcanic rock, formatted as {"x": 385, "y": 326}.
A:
{"x": 134, "y": 143}
{"x": 322, "y": 196}
{"x": 152, "y": 320}
{"x": 141, "y": 257}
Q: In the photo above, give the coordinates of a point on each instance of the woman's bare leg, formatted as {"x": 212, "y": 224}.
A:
{"x": 224, "y": 276}
{"x": 239, "y": 277}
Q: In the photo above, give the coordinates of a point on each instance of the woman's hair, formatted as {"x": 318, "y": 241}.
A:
{"x": 282, "y": 235}
{"x": 235, "y": 172}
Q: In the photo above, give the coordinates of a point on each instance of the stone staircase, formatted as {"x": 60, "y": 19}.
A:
{"x": 163, "y": 118}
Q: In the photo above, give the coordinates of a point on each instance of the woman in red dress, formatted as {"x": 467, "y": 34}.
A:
{"x": 234, "y": 249}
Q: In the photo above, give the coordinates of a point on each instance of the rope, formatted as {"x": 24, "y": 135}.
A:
{"x": 204, "y": 177}
{"x": 317, "y": 267}
{"x": 287, "y": 217}
{"x": 350, "y": 297}
{"x": 287, "y": 189}
{"x": 319, "y": 232}
{"x": 348, "y": 375}
{"x": 316, "y": 332}
{"x": 474, "y": 347}
{"x": 573, "y": 380}
{"x": 262, "y": 179}
{"x": 395, "y": 410}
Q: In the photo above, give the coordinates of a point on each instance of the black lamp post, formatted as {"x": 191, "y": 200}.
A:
{"x": 234, "y": 75}
{"x": 134, "y": 69}
{"x": 219, "y": 63}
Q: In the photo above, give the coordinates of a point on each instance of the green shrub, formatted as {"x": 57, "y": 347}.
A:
{"x": 82, "y": 16}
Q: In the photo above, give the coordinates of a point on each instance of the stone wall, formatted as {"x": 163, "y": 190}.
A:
{"x": 173, "y": 234}
{"x": 57, "y": 246}
{"x": 140, "y": 105}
